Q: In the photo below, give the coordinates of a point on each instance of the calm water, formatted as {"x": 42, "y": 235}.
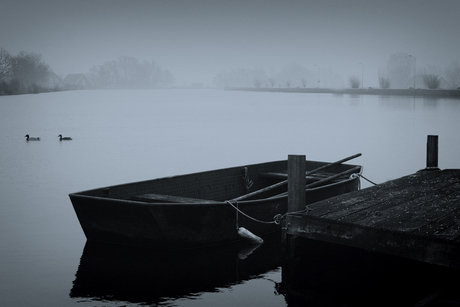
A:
{"x": 123, "y": 136}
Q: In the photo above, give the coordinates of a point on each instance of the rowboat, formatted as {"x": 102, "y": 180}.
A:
{"x": 206, "y": 208}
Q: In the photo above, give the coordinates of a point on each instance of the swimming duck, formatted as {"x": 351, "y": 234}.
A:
{"x": 64, "y": 138}
{"x": 28, "y": 138}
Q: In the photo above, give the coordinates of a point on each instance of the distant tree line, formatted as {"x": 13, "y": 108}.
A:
{"x": 292, "y": 75}
{"x": 23, "y": 73}
{"x": 128, "y": 72}
{"x": 400, "y": 72}
{"x": 28, "y": 73}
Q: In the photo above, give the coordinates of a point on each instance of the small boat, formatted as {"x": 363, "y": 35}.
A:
{"x": 206, "y": 208}
{"x": 31, "y": 138}
{"x": 65, "y": 138}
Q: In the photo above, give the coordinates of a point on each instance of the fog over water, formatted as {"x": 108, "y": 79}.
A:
{"x": 196, "y": 40}
{"x": 121, "y": 136}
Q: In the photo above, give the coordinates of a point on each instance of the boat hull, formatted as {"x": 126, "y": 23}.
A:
{"x": 202, "y": 217}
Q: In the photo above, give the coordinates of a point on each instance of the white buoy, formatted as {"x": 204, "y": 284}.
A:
{"x": 243, "y": 232}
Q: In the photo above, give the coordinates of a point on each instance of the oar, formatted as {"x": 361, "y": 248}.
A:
{"x": 270, "y": 187}
{"x": 285, "y": 181}
{"x": 332, "y": 164}
{"x": 320, "y": 182}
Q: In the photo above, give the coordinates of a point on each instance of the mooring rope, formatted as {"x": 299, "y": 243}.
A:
{"x": 277, "y": 218}
{"x": 360, "y": 175}
{"x": 248, "y": 216}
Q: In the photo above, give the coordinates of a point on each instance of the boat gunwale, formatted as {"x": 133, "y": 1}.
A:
{"x": 83, "y": 194}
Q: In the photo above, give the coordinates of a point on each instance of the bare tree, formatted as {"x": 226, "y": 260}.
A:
{"x": 354, "y": 81}
{"x": 29, "y": 68}
{"x": 304, "y": 82}
{"x": 127, "y": 68}
{"x": 432, "y": 81}
{"x": 128, "y": 72}
{"x": 292, "y": 71}
{"x": 288, "y": 83}
{"x": 272, "y": 82}
{"x": 5, "y": 64}
{"x": 384, "y": 82}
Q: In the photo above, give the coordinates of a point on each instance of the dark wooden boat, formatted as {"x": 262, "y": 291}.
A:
{"x": 205, "y": 208}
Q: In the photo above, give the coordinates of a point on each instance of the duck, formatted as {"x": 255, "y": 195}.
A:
{"x": 28, "y": 138}
{"x": 66, "y": 138}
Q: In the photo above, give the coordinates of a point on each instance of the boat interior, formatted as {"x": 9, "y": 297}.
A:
{"x": 251, "y": 182}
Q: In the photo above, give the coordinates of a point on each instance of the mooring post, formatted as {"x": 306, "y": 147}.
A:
{"x": 432, "y": 152}
{"x": 296, "y": 182}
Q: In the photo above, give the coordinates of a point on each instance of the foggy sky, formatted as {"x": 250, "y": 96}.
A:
{"x": 195, "y": 40}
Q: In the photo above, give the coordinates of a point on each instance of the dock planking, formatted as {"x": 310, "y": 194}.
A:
{"x": 416, "y": 216}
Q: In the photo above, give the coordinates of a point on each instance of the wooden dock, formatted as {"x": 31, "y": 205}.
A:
{"x": 416, "y": 217}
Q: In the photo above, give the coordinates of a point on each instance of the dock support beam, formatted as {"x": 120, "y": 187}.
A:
{"x": 432, "y": 152}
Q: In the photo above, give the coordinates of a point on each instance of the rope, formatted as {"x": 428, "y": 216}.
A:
{"x": 360, "y": 175}
{"x": 277, "y": 218}
{"x": 248, "y": 216}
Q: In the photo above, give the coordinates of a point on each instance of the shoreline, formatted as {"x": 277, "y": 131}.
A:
{"x": 371, "y": 91}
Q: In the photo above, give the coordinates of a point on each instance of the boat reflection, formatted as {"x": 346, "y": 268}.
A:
{"x": 139, "y": 275}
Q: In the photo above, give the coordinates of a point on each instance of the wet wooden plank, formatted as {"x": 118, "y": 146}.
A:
{"x": 409, "y": 214}
{"x": 378, "y": 198}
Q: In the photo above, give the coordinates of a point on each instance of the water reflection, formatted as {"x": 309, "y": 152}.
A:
{"x": 430, "y": 102}
{"x": 356, "y": 100}
{"x": 318, "y": 274}
{"x": 137, "y": 275}
{"x": 323, "y": 274}
{"x": 397, "y": 102}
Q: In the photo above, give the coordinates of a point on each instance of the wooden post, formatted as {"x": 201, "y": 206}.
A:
{"x": 296, "y": 182}
{"x": 432, "y": 152}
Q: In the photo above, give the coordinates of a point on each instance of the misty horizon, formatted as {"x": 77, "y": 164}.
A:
{"x": 196, "y": 41}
